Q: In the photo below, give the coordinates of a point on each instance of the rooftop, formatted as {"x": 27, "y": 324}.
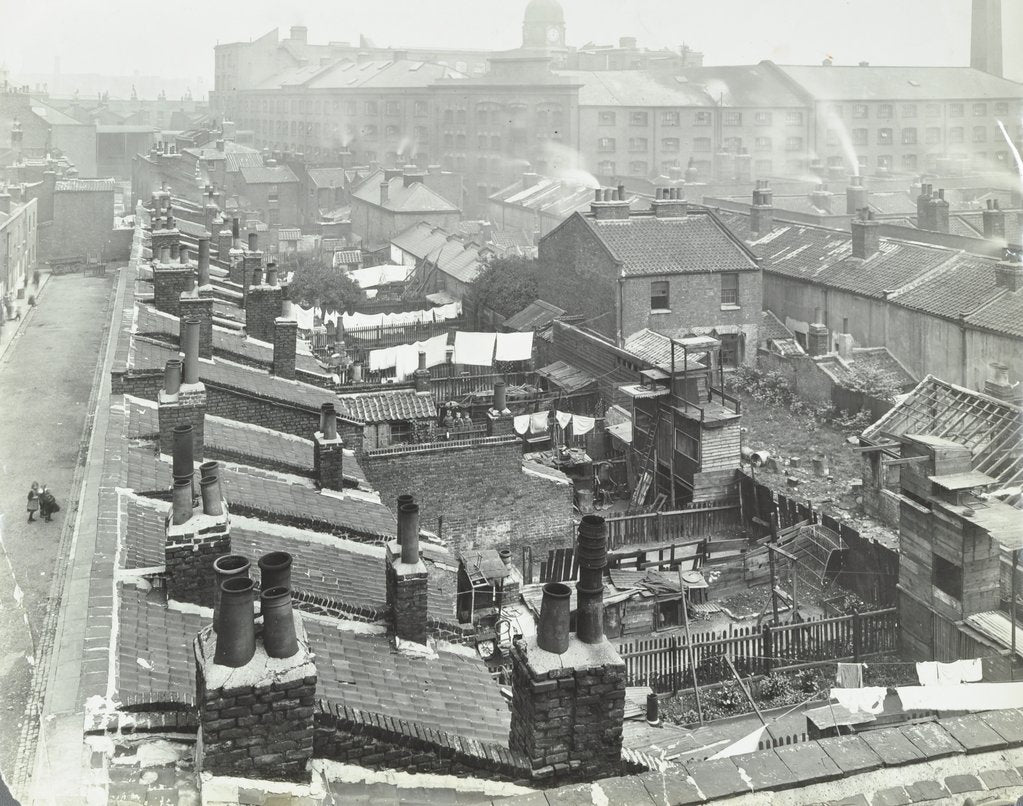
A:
{"x": 415, "y": 198}
{"x": 84, "y": 185}
{"x": 388, "y": 406}
{"x": 268, "y": 175}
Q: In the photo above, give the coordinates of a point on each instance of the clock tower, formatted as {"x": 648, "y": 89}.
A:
{"x": 544, "y": 25}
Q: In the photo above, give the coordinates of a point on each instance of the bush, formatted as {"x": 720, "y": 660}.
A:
{"x": 774, "y": 686}
{"x": 730, "y": 697}
{"x": 807, "y": 681}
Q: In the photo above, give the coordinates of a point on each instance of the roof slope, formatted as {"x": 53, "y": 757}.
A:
{"x": 692, "y": 244}
{"x": 416, "y": 198}
{"x": 854, "y": 83}
{"x": 750, "y": 85}
{"x": 268, "y": 174}
{"x": 83, "y": 185}
{"x": 389, "y": 406}
{"x": 636, "y": 88}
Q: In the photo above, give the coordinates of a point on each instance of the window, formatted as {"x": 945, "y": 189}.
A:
{"x": 369, "y": 131}
{"x": 955, "y": 110}
{"x": 979, "y": 134}
{"x": 933, "y": 135}
{"x": 979, "y": 110}
{"x": 481, "y": 165}
{"x": 606, "y": 168}
{"x": 1001, "y": 108}
{"x": 955, "y": 134}
{"x": 481, "y": 141}
{"x": 762, "y": 118}
{"x": 909, "y": 137}
{"x": 460, "y": 142}
{"x": 793, "y": 143}
{"x": 372, "y": 108}
{"x": 659, "y": 296}
{"x": 831, "y": 137}
{"x": 884, "y": 111}
{"x": 909, "y": 110}
{"x": 391, "y": 131}
{"x": 909, "y": 162}
{"x": 701, "y": 118}
{"x": 860, "y": 111}
{"x": 639, "y": 118}
{"x": 733, "y": 118}
{"x": 421, "y": 133}
{"x": 762, "y": 144}
{"x": 667, "y": 165}
{"x": 449, "y": 116}
{"x": 884, "y": 137}
{"x": 392, "y": 108}
{"x": 671, "y": 144}
{"x": 606, "y": 144}
{"x": 764, "y": 167}
{"x": 884, "y": 162}
{"x": 606, "y": 118}
{"x": 459, "y": 116}
{"x": 859, "y": 137}
{"x": 794, "y": 118}
{"x": 687, "y": 445}
{"x": 670, "y": 118}
{"x": 639, "y": 168}
{"x": 351, "y": 108}
{"x": 637, "y": 144}
{"x": 730, "y": 289}
{"x": 449, "y": 141}
{"x": 420, "y": 109}
{"x": 495, "y": 143}
{"x": 701, "y": 144}
{"x": 933, "y": 110}
{"x": 947, "y": 576}
{"x": 732, "y": 144}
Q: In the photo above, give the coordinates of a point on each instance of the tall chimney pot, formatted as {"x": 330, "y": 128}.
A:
{"x": 408, "y": 524}
{"x": 204, "y": 260}
{"x": 279, "y": 639}
{"x": 500, "y": 395}
{"x": 592, "y": 556}
{"x": 172, "y": 376}
{"x": 190, "y": 347}
{"x": 212, "y": 498}
{"x": 552, "y": 630}
{"x": 253, "y": 241}
{"x": 275, "y": 570}
{"x": 236, "y": 638}
{"x": 226, "y": 567}
{"x": 183, "y": 464}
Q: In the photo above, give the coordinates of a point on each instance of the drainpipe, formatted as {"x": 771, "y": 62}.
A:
{"x": 620, "y": 316}
{"x": 963, "y": 348}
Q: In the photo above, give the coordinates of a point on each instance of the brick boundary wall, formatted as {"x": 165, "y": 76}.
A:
{"x": 377, "y": 741}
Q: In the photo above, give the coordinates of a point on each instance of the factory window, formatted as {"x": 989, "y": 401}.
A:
{"x": 884, "y": 162}
{"x": 421, "y": 133}
{"x": 884, "y": 137}
{"x": 495, "y": 143}
{"x": 606, "y": 168}
{"x": 859, "y": 137}
{"x": 860, "y": 111}
{"x": 420, "y": 109}
{"x": 372, "y": 108}
{"x": 733, "y": 118}
{"x": 764, "y": 167}
{"x": 659, "y": 296}
{"x": 933, "y": 135}
{"x": 794, "y": 118}
{"x": 909, "y": 162}
{"x": 606, "y": 118}
{"x": 639, "y": 119}
{"x": 670, "y": 118}
{"x": 638, "y": 144}
{"x": 606, "y": 144}
{"x": 955, "y": 134}
{"x": 671, "y": 144}
{"x": 955, "y": 110}
{"x": 701, "y": 144}
{"x": 639, "y": 168}
{"x": 909, "y": 110}
{"x": 392, "y": 131}
{"x": 933, "y": 110}
{"x": 460, "y": 142}
{"x": 351, "y": 108}
{"x": 979, "y": 134}
{"x": 884, "y": 111}
{"x": 701, "y": 118}
{"x": 392, "y": 108}
{"x": 831, "y": 137}
{"x": 979, "y": 110}
{"x": 668, "y": 165}
{"x": 909, "y": 137}
{"x": 793, "y": 143}
{"x": 481, "y": 141}
{"x": 459, "y": 116}
{"x": 449, "y": 116}
{"x": 762, "y": 118}
{"x": 1001, "y": 108}
{"x": 732, "y": 144}
{"x": 762, "y": 144}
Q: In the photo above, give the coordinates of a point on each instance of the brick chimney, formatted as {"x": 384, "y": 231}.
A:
{"x": 256, "y": 691}
{"x": 530, "y": 178}
{"x": 328, "y": 455}
{"x": 194, "y": 539}
{"x": 998, "y": 384}
{"x": 194, "y": 306}
{"x": 924, "y": 210}
{"x": 940, "y": 211}
{"x": 500, "y": 422}
{"x": 385, "y": 190}
{"x": 407, "y": 578}
{"x": 422, "y": 375}
{"x": 285, "y": 338}
{"x": 817, "y": 339}
{"x": 203, "y": 268}
{"x": 224, "y": 242}
{"x": 392, "y": 173}
{"x": 252, "y": 267}
{"x": 855, "y": 195}
{"x": 994, "y": 221}
{"x": 182, "y": 401}
{"x": 761, "y": 219}
{"x": 609, "y": 204}
{"x": 820, "y": 197}
{"x": 866, "y": 237}
{"x": 264, "y": 306}
{"x": 669, "y": 203}
{"x": 568, "y": 691}
{"x": 1009, "y": 274}
{"x": 170, "y": 280}
{"x": 165, "y": 231}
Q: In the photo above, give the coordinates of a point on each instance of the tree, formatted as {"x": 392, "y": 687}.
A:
{"x": 874, "y": 382}
{"x": 505, "y": 285}
{"x": 319, "y": 284}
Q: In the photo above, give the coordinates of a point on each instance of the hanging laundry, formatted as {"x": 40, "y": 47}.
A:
{"x": 381, "y": 359}
{"x": 563, "y": 418}
{"x": 304, "y": 317}
{"x": 582, "y": 425}
{"x": 406, "y": 360}
{"x": 962, "y": 697}
{"x": 521, "y": 424}
{"x": 476, "y": 349}
{"x": 749, "y": 743}
{"x": 514, "y": 346}
{"x": 436, "y": 350}
{"x": 972, "y": 670}
{"x": 869, "y": 700}
{"x": 538, "y": 422}
{"x": 850, "y": 675}
{"x": 927, "y": 672}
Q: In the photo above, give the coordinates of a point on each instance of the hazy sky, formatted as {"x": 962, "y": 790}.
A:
{"x": 177, "y": 38}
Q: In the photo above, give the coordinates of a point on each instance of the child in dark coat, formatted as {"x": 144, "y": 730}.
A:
{"x": 47, "y": 504}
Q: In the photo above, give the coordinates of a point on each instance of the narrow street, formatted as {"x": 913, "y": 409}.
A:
{"x": 47, "y": 370}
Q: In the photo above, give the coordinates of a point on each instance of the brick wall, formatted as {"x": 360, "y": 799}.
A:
{"x": 262, "y": 307}
{"x": 189, "y": 552}
{"x": 485, "y": 498}
{"x": 168, "y": 284}
{"x": 377, "y": 742}
{"x": 83, "y": 223}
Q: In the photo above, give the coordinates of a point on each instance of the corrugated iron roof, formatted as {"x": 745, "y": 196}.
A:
{"x": 995, "y": 625}
{"x": 565, "y": 376}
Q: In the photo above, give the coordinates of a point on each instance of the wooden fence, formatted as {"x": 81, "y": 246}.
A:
{"x": 663, "y": 662}
{"x": 673, "y": 527}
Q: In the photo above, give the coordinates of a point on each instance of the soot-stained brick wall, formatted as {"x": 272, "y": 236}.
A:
{"x": 486, "y": 499}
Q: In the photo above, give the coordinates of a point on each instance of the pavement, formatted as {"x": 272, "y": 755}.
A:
{"x": 47, "y": 367}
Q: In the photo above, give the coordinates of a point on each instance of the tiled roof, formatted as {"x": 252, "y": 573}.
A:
{"x": 234, "y": 161}
{"x": 655, "y": 349}
{"x": 448, "y": 692}
{"x": 434, "y": 244}
{"x": 536, "y": 314}
{"x": 771, "y": 327}
{"x": 268, "y": 175}
{"x": 289, "y": 234}
{"x": 415, "y": 198}
{"x": 900, "y": 83}
{"x": 966, "y": 284}
{"x": 692, "y": 244}
{"x": 1003, "y": 315}
{"x": 420, "y": 239}
{"x": 83, "y": 185}
{"x": 634, "y": 88}
{"x": 389, "y": 406}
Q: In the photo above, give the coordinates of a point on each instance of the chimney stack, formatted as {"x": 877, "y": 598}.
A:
{"x": 182, "y": 401}
{"x": 820, "y": 197}
{"x": 1009, "y": 273}
{"x": 328, "y": 453}
{"x": 500, "y": 422}
{"x": 924, "y": 210}
{"x": 855, "y": 195}
{"x": 866, "y": 236}
{"x": 669, "y": 203}
{"x": 285, "y": 339}
{"x": 422, "y": 374}
{"x": 762, "y": 211}
{"x": 263, "y": 306}
{"x": 998, "y": 384}
{"x": 818, "y": 338}
{"x": 406, "y": 575}
{"x": 940, "y": 211}
{"x": 994, "y": 221}
{"x": 611, "y": 205}
{"x": 385, "y": 190}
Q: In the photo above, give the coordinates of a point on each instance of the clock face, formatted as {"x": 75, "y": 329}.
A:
{"x": 553, "y": 35}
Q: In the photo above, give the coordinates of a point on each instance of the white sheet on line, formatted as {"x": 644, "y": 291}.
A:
{"x": 514, "y": 346}
{"x": 476, "y": 349}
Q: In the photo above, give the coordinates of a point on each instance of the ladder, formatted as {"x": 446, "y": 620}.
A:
{"x": 647, "y": 475}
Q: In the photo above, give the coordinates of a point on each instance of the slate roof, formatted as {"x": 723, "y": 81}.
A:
{"x": 692, "y": 244}
{"x": 747, "y": 85}
{"x": 268, "y": 175}
{"x": 967, "y": 286}
{"x": 634, "y": 88}
{"x": 83, "y": 185}
{"x": 901, "y": 83}
{"x": 420, "y": 239}
{"x": 449, "y": 692}
{"x": 381, "y": 74}
{"x": 388, "y": 406}
{"x": 535, "y": 315}
{"x": 234, "y": 161}
{"x": 415, "y": 198}
{"x": 327, "y": 177}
